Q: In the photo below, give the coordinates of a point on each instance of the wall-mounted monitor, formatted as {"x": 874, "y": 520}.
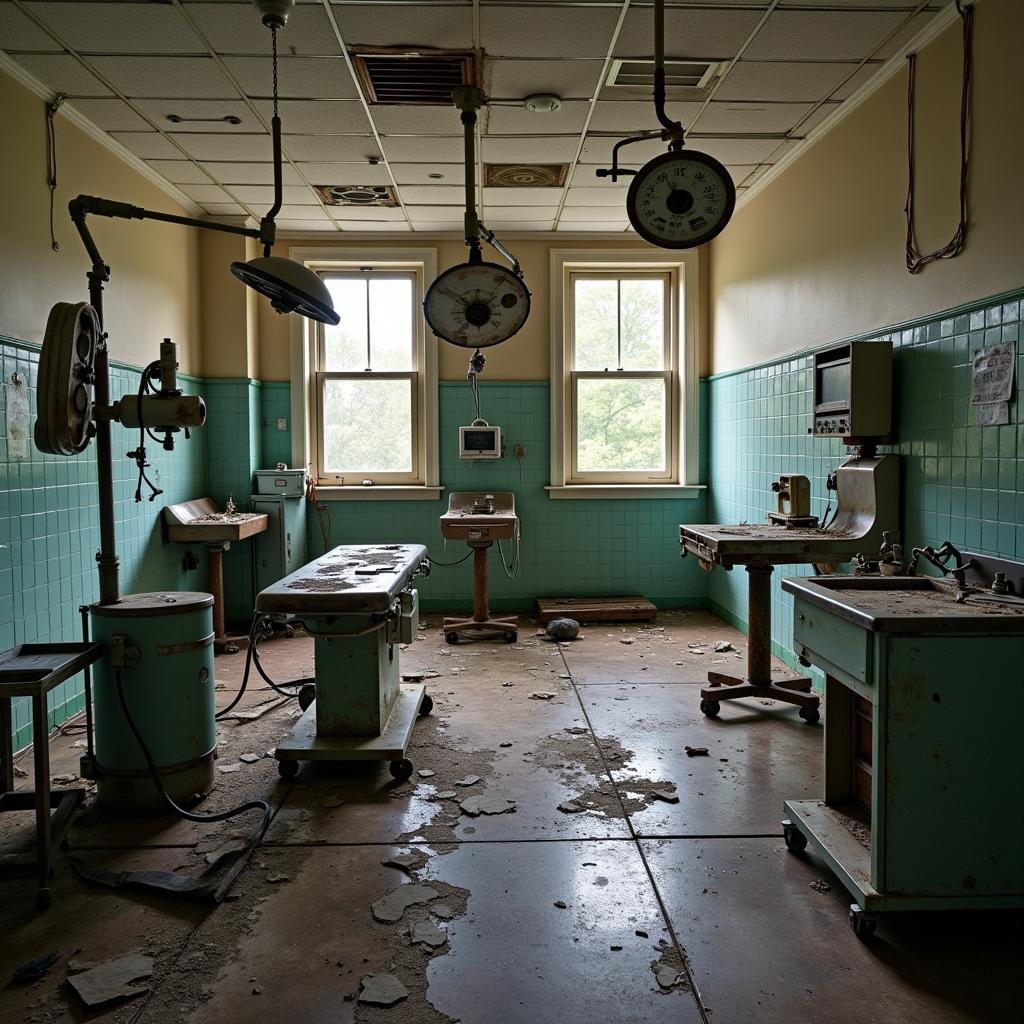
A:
{"x": 853, "y": 391}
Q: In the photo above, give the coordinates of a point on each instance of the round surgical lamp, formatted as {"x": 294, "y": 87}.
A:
{"x": 290, "y": 287}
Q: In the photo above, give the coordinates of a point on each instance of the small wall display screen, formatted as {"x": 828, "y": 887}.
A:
{"x": 834, "y": 384}
{"x": 484, "y": 440}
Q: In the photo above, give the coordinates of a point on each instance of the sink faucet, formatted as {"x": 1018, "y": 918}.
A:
{"x": 940, "y": 560}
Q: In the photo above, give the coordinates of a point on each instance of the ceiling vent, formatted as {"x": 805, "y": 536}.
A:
{"x": 525, "y": 175}
{"x": 357, "y": 195}
{"x": 413, "y": 77}
{"x": 684, "y": 79}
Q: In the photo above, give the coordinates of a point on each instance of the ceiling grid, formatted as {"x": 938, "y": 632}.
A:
{"x": 785, "y": 71}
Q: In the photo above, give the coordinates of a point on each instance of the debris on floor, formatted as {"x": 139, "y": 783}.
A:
{"x": 820, "y": 885}
{"x": 696, "y": 751}
{"x": 563, "y": 629}
{"x": 111, "y": 981}
{"x": 249, "y": 758}
{"x": 561, "y": 904}
{"x": 407, "y": 862}
{"x": 391, "y": 907}
{"x": 667, "y": 795}
{"x": 721, "y": 646}
{"x": 34, "y": 969}
{"x": 570, "y": 807}
{"x": 669, "y": 969}
{"x": 542, "y": 695}
{"x": 426, "y": 773}
{"x": 469, "y": 780}
{"x": 381, "y": 990}
{"x": 418, "y": 677}
{"x": 474, "y": 806}
{"x": 428, "y": 934}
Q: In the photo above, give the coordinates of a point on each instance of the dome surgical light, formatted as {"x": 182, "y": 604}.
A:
{"x": 680, "y": 199}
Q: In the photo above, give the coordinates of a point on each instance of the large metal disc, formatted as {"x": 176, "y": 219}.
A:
{"x": 476, "y": 305}
{"x": 66, "y": 374}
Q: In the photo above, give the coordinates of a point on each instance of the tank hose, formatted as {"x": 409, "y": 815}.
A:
{"x": 250, "y": 805}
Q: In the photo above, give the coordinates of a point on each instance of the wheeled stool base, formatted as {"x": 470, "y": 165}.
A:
{"x": 507, "y": 626}
{"x": 789, "y": 691}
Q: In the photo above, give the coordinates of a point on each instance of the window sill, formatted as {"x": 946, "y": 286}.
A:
{"x": 380, "y": 492}
{"x": 626, "y": 491}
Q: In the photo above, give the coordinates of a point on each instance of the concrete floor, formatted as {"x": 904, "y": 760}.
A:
{"x": 701, "y": 891}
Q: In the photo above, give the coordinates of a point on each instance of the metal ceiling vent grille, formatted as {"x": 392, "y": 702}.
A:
{"x": 525, "y": 175}
{"x": 419, "y": 77}
{"x": 357, "y": 195}
{"x": 683, "y": 78}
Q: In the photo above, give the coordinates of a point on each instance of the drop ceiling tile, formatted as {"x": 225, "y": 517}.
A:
{"x": 510, "y": 31}
{"x": 595, "y": 214}
{"x": 356, "y": 226}
{"x": 19, "y": 32}
{"x": 296, "y": 227}
{"x": 331, "y": 148}
{"x": 263, "y": 195}
{"x": 204, "y": 194}
{"x": 224, "y": 209}
{"x": 237, "y": 29}
{"x": 825, "y": 110}
{"x": 737, "y": 151}
{"x": 299, "y": 77}
{"x": 428, "y": 227}
{"x": 522, "y": 225}
{"x": 584, "y": 195}
{"x": 420, "y": 174}
{"x": 584, "y": 175}
{"x": 347, "y": 213}
{"x": 881, "y": 4}
{"x": 175, "y": 77}
{"x": 906, "y": 32}
{"x": 536, "y": 149}
{"x": 120, "y": 27}
{"x": 426, "y": 150}
{"x": 498, "y": 196}
{"x": 180, "y": 172}
{"x": 436, "y": 214}
{"x": 214, "y": 146}
{"x": 512, "y": 79}
{"x": 432, "y": 195}
{"x": 361, "y": 173}
{"x": 823, "y": 35}
{"x": 596, "y": 226}
{"x": 504, "y": 214}
{"x": 706, "y": 34}
{"x": 112, "y": 115}
{"x": 207, "y": 115}
{"x": 630, "y": 116}
{"x": 782, "y": 81}
{"x": 63, "y": 73}
{"x": 249, "y": 173}
{"x": 428, "y": 26}
{"x": 318, "y": 117}
{"x": 301, "y": 212}
{"x": 416, "y": 120}
{"x": 597, "y": 150}
{"x": 148, "y": 145}
{"x": 859, "y": 79}
{"x": 739, "y": 118}
{"x": 520, "y": 121}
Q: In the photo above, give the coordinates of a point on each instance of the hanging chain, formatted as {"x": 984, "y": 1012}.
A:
{"x": 51, "y": 160}
{"x": 273, "y": 36}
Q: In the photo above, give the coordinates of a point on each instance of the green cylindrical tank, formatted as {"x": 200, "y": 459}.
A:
{"x": 168, "y": 687}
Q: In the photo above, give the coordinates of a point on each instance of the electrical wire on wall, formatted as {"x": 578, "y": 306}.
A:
{"x": 320, "y": 508}
{"x": 512, "y": 571}
{"x": 916, "y": 260}
{"x": 51, "y": 159}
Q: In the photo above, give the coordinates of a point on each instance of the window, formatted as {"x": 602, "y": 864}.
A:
{"x": 623, "y": 374}
{"x": 368, "y": 410}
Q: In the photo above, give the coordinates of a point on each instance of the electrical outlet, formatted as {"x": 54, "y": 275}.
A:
{"x": 519, "y": 451}
{"x": 282, "y": 423}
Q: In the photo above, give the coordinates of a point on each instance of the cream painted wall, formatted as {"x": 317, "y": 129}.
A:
{"x": 154, "y": 287}
{"x": 819, "y": 254}
{"x": 229, "y": 320}
{"x": 525, "y": 357}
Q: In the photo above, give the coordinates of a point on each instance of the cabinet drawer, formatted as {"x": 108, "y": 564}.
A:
{"x": 833, "y": 643}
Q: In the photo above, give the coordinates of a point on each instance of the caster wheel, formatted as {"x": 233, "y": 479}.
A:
{"x": 287, "y": 769}
{"x": 426, "y": 706}
{"x": 307, "y": 694}
{"x": 796, "y": 841}
{"x": 710, "y": 708}
{"x": 452, "y": 638}
{"x": 289, "y": 632}
{"x": 44, "y": 899}
{"x": 863, "y": 925}
{"x": 810, "y": 715}
{"x": 401, "y": 770}
{"x": 511, "y": 637}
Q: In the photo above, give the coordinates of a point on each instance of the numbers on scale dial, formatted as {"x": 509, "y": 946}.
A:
{"x": 476, "y": 305}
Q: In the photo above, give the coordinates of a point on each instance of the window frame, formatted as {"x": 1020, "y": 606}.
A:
{"x": 308, "y": 380}
{"x": 668, "y": 374}
{"x": 683, "y": 311}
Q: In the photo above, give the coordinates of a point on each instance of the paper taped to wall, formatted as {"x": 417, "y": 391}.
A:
{"x": 992, "y": 374}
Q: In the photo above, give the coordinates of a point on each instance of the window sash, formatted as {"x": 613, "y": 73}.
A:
{"x": 669, "y": 474}
{"x": 323, "y": 377}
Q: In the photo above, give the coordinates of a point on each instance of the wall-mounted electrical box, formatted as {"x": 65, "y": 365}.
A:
{"x": 853, "y": 391}
{"x": 480, "y": 441}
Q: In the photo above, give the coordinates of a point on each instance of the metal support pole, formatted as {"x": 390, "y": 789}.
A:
{"x": 481, "y": 613}
{"x": 216, "y": 555}
{"x": 759, "y": 625}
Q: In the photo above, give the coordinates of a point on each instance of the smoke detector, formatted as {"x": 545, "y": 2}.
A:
{"x": 543, "y": 103}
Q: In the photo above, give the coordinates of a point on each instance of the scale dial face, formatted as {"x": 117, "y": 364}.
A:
{"x": 475, "y": 305}
{"x": 680, "y": 200}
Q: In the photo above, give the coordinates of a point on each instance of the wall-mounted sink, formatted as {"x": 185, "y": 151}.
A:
{"x": 201, "y": 522}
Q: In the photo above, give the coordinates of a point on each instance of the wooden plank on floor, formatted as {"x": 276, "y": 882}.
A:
{"x": 630, "y": 608}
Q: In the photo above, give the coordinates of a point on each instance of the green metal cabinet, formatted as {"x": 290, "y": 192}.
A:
{"x": 945, "y": 822}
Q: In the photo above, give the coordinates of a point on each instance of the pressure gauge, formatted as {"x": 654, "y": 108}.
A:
{"x": 680, "y": 200}
{"x": 476, "y": 304}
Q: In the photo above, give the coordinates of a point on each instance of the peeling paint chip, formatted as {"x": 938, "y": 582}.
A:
{"x": 390, "y": 908}
{"x": 665, "y": 794}
{"x": 469, "y": 780}
{"x": 561, "y": 904}
{"x": 570, "y": 807}
{"x": 426, "y": 773}
{"x": 114, "y": 980}
{"x": 405, "y": 861}
{"x": 381, "y": 990}
{"x": 477, "y": 805}
{"x": 667, "y": 976}
{"x": 428, "y": 934}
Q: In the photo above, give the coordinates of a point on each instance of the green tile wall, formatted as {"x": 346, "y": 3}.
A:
{"x": 49, "y": 530}
{"x": 569, "y": 547}
{"x": 961, "y": 482}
